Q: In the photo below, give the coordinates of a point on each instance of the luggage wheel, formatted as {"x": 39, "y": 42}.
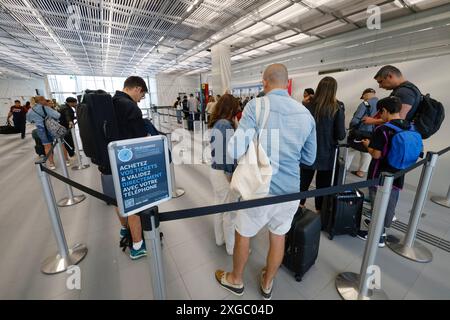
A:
{"x": 298, "y": 278}
{"x": 331, "y": 236}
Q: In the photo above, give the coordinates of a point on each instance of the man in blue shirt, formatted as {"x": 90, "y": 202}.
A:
{"x": 294, "y": 130}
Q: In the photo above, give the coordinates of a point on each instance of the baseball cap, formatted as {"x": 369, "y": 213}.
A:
{"x": 367, "y": 91}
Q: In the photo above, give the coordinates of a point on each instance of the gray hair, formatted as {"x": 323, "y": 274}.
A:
{"x": 387, "y": 70}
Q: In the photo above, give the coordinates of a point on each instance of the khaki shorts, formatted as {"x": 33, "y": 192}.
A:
{"x": 278, "y": 218}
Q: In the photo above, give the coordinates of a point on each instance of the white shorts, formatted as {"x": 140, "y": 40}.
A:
{"x": 278, "y": 218}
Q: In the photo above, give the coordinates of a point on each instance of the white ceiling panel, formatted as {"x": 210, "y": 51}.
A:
{"x": 116, "y": 36}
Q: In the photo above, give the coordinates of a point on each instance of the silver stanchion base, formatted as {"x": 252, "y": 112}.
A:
{"x": 418, "y": 252}
{"x": 441, "y": 201}
{"x": 178, "y": 193}
{"x": 347, "y": 285}
{"x": 56, "y": 264}
{"x": 83, "y": 166}
{"x": 67, "y": 202}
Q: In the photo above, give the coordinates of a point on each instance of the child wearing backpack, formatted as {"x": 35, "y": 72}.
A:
{"x": 394, "y": 146}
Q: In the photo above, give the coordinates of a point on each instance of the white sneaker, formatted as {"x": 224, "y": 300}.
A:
{"x": 394, "y": 219}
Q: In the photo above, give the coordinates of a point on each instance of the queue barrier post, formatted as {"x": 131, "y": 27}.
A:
{"x": 80, "y": 165}
{"x": 71, "y": 199}
{"x": 443, "y": 201}
{"x": 408, "y": 247}
{"x": 150, "y": 227}
{"x": 352, "y": 286}
{"x": 65, "y": 257}
{"x": 164, "y": 117}
{"x": 159, "y": 121}
{"x": 203, "y": 138}
{"x": 176, "y": 192}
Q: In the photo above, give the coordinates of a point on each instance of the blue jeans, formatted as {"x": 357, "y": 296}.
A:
{"x": 393, "y": 199}
{"x": 44, "y": 135}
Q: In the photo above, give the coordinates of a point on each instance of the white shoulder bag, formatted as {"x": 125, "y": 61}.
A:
{"x": 253, "y": 174}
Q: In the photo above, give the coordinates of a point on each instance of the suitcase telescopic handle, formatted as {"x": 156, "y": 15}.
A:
{"x": 336, "y": 152}
{"x": 345, "y": 163}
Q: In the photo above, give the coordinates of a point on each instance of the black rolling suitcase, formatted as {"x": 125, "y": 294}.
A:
{"x": 341, "y": 212}
{"x": 302, "y": 243}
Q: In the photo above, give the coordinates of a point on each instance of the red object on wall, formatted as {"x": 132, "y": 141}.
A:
{"x": 290, "y": 87}
{"x": 205, "y": 91}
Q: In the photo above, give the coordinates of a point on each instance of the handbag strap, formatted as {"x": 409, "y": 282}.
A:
{"x": 40, "y": 115}
{"x": 266, "y": 113}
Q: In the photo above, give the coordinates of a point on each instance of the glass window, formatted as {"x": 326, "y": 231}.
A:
{"x": 63, "y": 86}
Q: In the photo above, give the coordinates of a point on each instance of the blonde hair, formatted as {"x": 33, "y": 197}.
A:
{"x": 36, "y": 99}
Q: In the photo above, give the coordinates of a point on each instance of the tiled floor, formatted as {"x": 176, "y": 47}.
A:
{"x": 189, "y": 250}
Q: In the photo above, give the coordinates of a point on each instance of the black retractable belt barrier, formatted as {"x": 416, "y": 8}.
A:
{"x": 416, "y": 165}
{"x": 440, "y": 153}
{"x": 167, "y": 114}
{"x": 440, "y": 200}
{"x": 74, "y": 184}
{"x": 203, "y": 211}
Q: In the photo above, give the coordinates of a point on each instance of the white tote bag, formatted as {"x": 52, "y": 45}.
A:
{"x": 253, "y": 174}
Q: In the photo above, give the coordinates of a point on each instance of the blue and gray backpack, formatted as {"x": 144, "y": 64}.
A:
{"x": 406, "y": 146}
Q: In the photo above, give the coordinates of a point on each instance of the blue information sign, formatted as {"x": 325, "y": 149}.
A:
{"x": 141, "y": 173}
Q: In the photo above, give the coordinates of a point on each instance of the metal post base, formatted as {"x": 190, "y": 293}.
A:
{"x": 57, "y": 264}
{"x": 178, "y": 193}
{"x": 418, "y": 252}
{"x": 443, "y": 201}
{"x": 81, "y": 167}
{"x": 347, "y": 285}
{"x": 67, "y": 202}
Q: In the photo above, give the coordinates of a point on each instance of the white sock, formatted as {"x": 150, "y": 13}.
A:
{"x": 137, "y": 245}
{"x": 123, "y": 228}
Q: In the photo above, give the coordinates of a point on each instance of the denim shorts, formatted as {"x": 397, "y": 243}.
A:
{"x": 44, "y": 135}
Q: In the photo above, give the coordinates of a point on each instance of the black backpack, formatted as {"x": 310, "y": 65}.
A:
{"x": 98, "y": 127}
{"x": 429, "y": 115}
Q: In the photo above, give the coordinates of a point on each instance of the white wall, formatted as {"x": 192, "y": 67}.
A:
{"x": 23, "y": 90}
{"x": 168, "y": 87}
{"x": 431, "y": 75}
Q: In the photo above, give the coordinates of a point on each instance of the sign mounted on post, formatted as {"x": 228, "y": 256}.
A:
{"x": 141, "y": 173}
